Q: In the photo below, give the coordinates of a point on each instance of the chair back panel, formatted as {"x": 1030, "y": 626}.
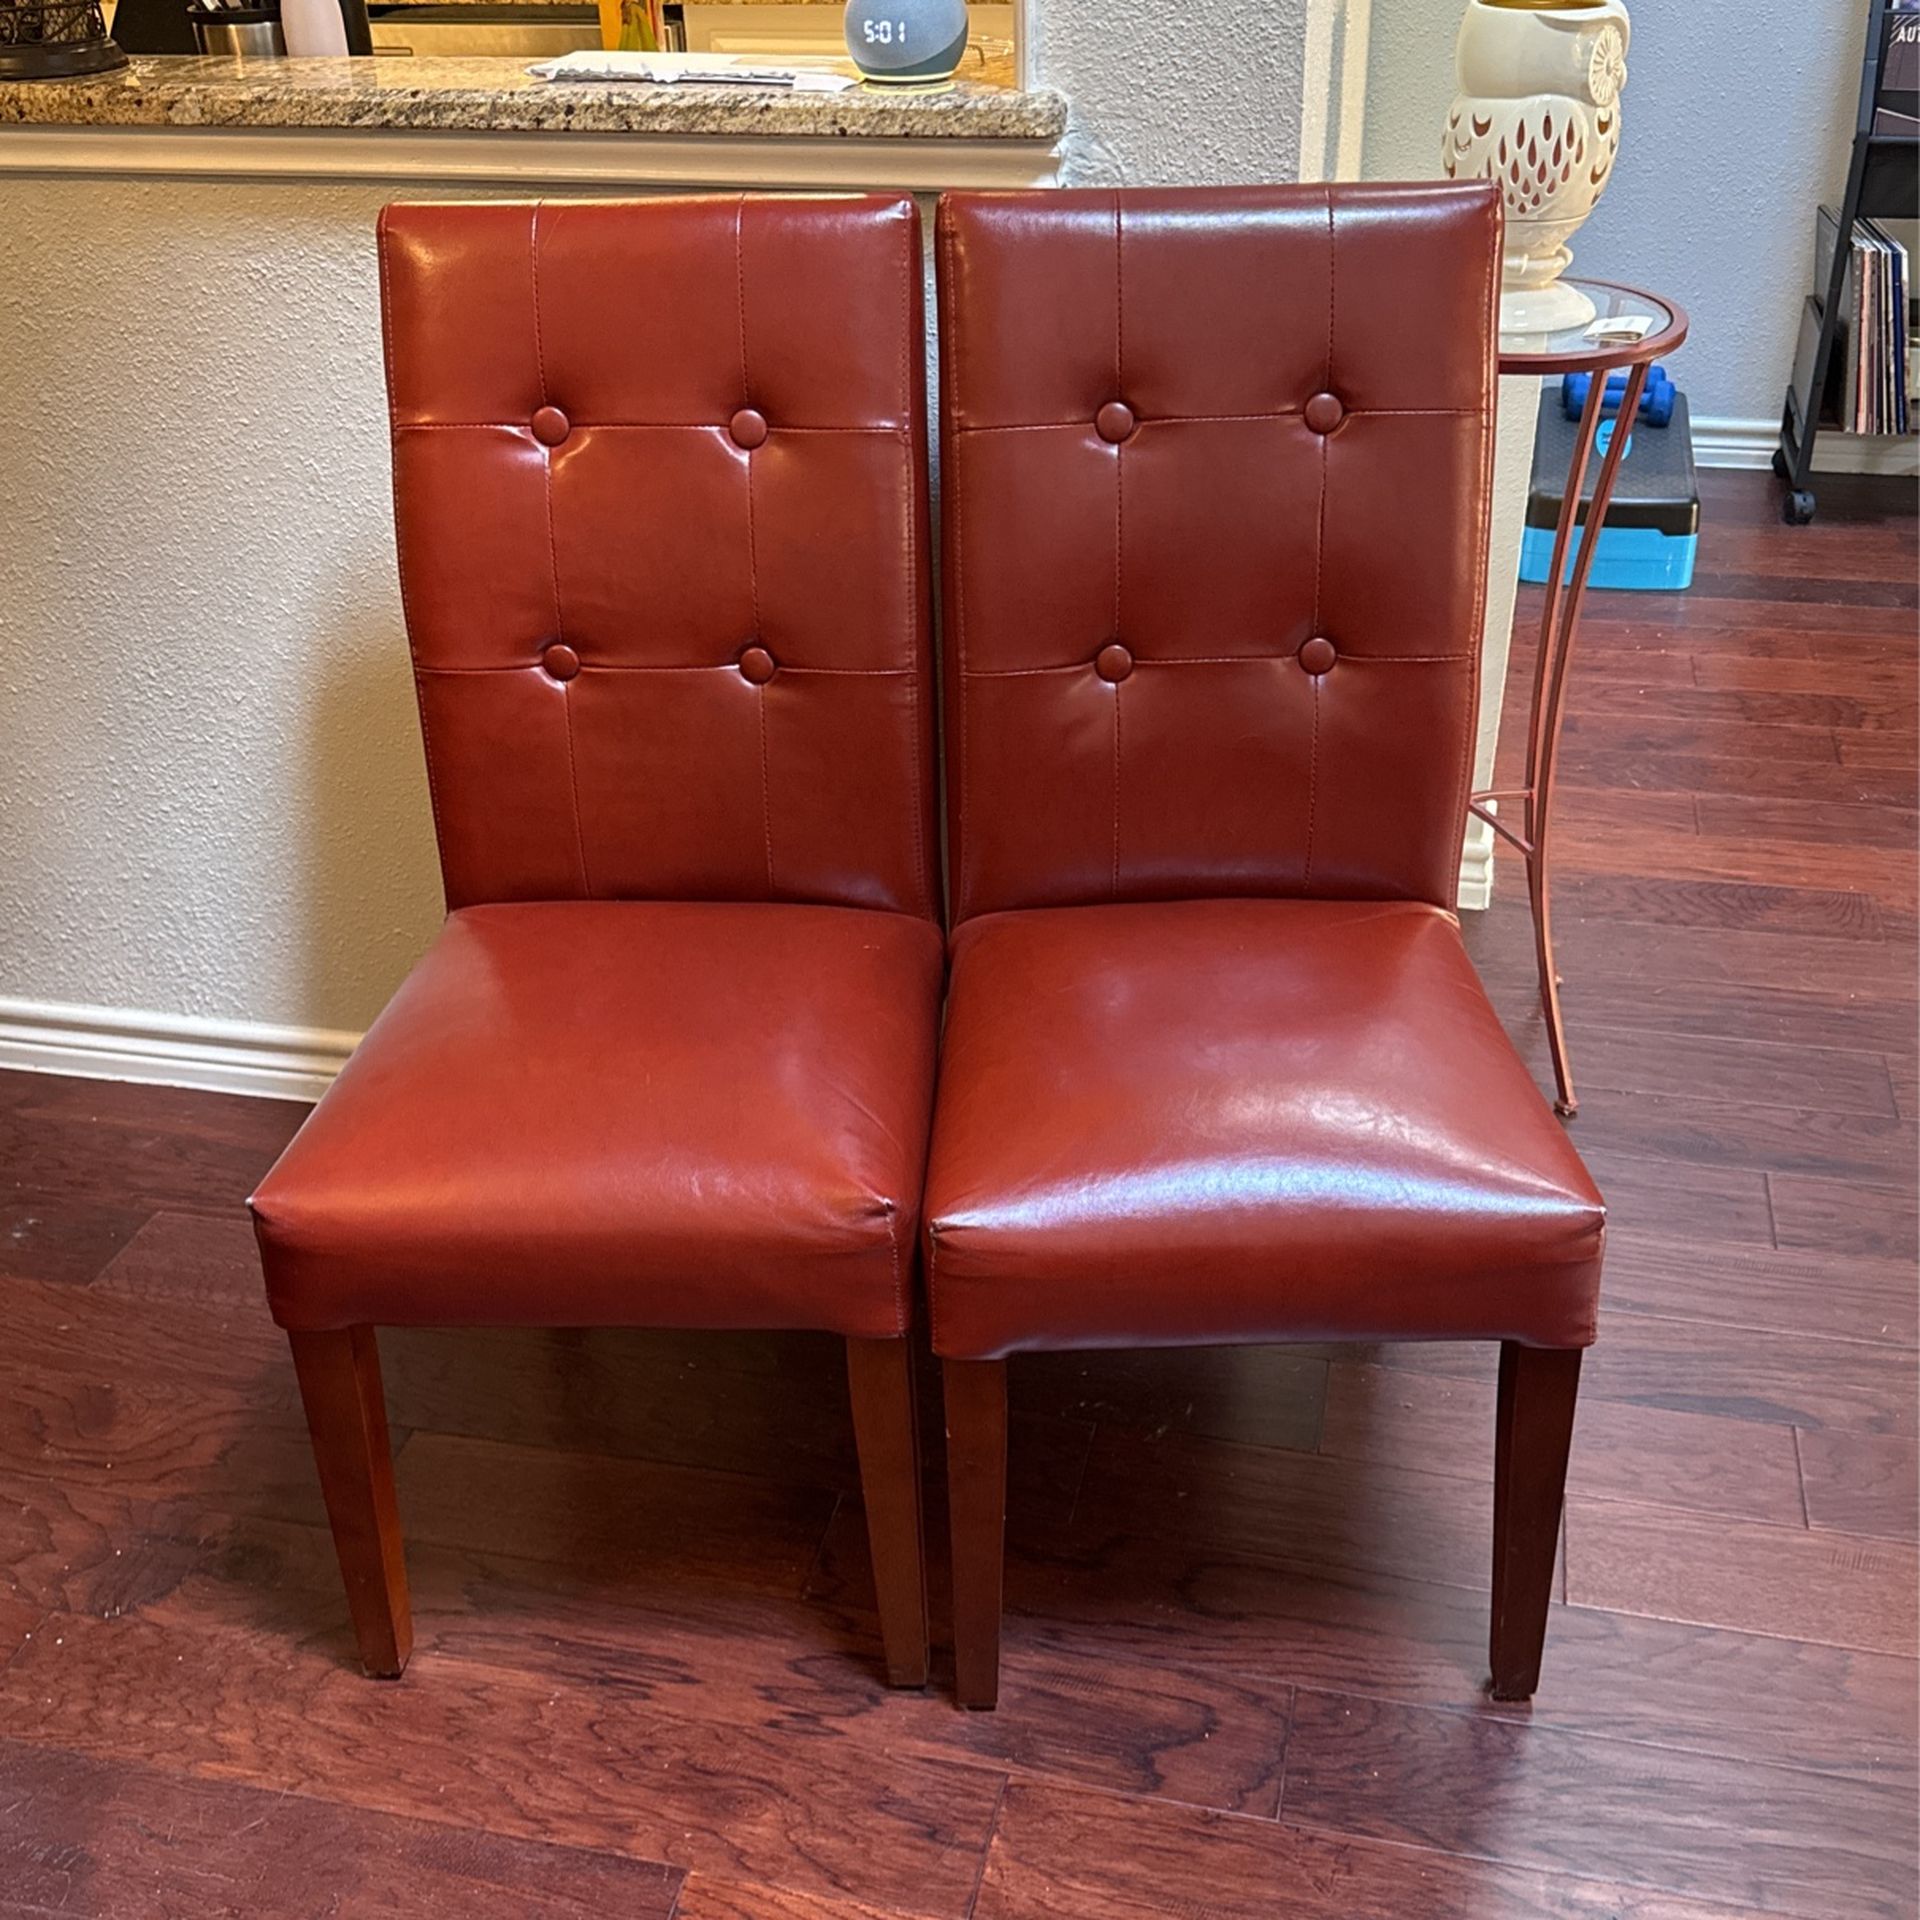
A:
{"x": 1215, "y": 478}
{"x": 660, "y": 496}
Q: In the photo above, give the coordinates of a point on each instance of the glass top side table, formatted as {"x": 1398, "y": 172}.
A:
{"x": 1570, "y": 351}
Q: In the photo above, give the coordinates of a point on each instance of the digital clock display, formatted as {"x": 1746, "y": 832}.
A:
{"x": 915, "y": 43}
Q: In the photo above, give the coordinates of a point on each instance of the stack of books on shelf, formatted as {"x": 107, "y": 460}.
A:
{"x": 1896, "y": 104}
{"x": 1872, "y": 367}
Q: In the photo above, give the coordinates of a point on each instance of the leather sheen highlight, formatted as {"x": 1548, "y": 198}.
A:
{"x": 1243, "y": 1120}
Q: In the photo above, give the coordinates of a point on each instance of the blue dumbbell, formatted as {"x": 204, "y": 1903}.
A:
{"x": 1656, "y": 396}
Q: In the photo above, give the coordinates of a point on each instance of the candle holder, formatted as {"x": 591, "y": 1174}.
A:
{"x": 53, "y": 39}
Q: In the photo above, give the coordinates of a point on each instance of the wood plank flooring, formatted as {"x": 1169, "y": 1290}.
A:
{"x": 1247, "y": 1590}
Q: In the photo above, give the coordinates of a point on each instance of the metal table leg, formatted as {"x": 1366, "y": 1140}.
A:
{"x": 1559, "y": 619}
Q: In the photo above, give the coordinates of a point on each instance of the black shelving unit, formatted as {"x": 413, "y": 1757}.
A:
{"x": 1883, "y": 182}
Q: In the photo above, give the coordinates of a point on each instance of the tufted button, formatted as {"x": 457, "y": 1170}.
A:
{"x": 1113, "y": 662}
{"x": 561, "y": 662}
{"x": 1325, "y": 411}
{"x": 1318, "y": 655}
{"x": 748, "y": 428}
{"x": 757, "y": 665}
{"x": 1114, "y": 421}
{"x": 551, "y": 426}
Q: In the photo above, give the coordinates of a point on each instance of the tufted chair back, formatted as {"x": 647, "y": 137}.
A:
{"x": 1215, "y": 485}
{"x": 659, "y": 480}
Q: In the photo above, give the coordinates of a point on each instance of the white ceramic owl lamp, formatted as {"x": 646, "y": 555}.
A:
{"x": 1538, "y": 112}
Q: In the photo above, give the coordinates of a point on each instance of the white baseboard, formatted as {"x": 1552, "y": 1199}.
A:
{"x": 171, "y": 1050}
{"x": 1733, "y": 443}
{"x": 1476, "y": 880}
{"x": 1727, "y": 442}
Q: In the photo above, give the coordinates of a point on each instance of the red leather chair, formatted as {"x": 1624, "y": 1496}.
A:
{"x": 1216, "y": 1066}
{"x": 659, "y": 478}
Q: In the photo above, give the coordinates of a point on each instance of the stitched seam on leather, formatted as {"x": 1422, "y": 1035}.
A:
{"x": 1319, "y": 570}
{"x": 573, "y": 781}
{"x": 598, "y": 667}
{"x": 753, "y": 548}
{"x": 900, "y": 1311}
{"x": 400, "y": 555}
{"x": 952, "y": 511}
{"x": 386, "y": 310}
{"x": 986, "y": 426}
{"x": 1209, "y": 419}
{"x": 1488, "y": 388}
{"x": 1401, "y": 659}
{"x": 1313, "y": 783}
{"x": 766, "y": 787}
{"x": 933, "y": 1293}
{"x": 917, "y": 609}
{"x": 553, "y": 552}
{"x": 649, "y": 426}
{"x": 1119, "y": 502}
{"x": 746, "y": 400}
{"x": 1169, "y": 660}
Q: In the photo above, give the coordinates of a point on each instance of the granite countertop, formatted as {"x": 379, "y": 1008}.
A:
{"x": 500, "y": 96}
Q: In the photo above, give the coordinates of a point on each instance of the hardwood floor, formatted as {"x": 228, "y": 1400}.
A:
{"x": 1247, "y": 1590}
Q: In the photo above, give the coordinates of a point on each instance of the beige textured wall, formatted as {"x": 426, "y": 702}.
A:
{"x": 1195, "y": 92}
{"x": 211, "y": 796}
{"x": 1410, "y": 86}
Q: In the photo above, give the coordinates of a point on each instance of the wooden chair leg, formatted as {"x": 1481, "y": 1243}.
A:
{"x": 347, "y": 1418}
{"x": 976, "y": 1396}
{"x": 886, "y": 1429}
{"x": 1533, "y": 1429}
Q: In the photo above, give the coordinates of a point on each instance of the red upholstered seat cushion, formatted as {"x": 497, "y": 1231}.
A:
{"x": 624, "y": 1114}
{"x": 1228, "y": 1120}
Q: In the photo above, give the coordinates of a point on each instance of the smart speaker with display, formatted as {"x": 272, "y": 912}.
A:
{"x": 907, "y": 43}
